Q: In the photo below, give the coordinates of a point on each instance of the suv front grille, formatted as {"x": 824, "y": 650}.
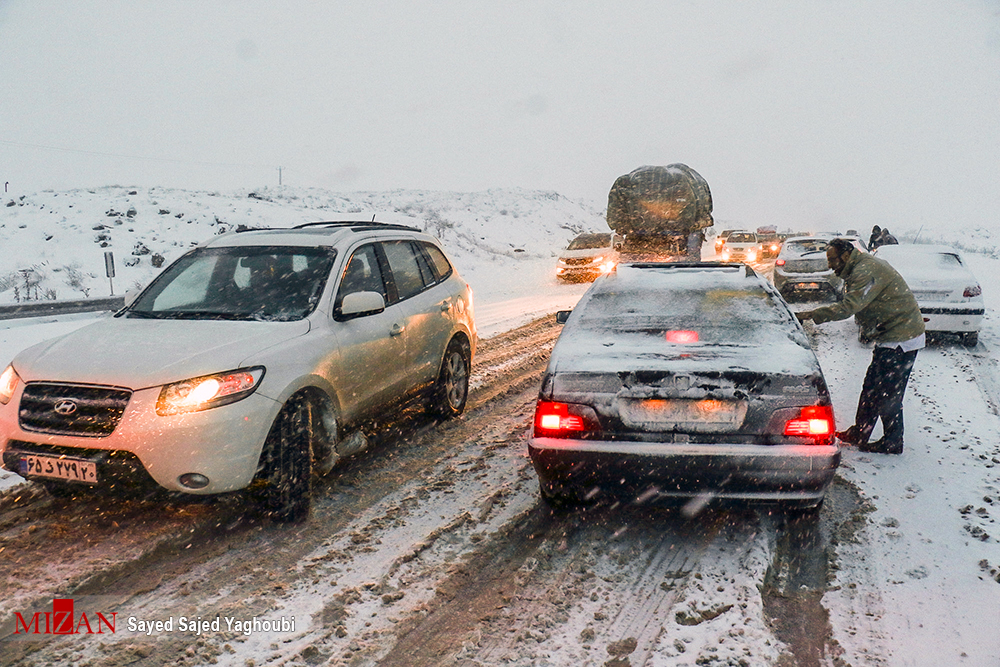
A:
{"x": 67, "y": 409}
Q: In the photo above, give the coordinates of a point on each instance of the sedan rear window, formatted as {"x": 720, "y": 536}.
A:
{"x": 735, "y": 312}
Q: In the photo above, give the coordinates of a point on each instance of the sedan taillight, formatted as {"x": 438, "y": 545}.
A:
{"x": 814, "y": 421}
{"x": 563, "y": 420}
{"x": 972, "y": 290}
{"x": 779, "y": 262}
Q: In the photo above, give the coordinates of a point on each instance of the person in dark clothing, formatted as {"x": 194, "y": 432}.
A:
{"x": 873, "y": 239}
{"x": 886, "y": 238}
{"x": 888, "y": 314}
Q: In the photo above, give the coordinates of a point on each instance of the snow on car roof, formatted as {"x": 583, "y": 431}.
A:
{"x": 310, "y": 236}
{"x": 632, "y": 318}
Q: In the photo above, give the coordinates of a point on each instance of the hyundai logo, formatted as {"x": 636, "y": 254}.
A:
{"x": 65, "y": 407}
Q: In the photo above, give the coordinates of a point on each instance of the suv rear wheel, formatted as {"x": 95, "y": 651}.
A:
{"x": 451, "y": 391}
{"x": 285, "y": 474}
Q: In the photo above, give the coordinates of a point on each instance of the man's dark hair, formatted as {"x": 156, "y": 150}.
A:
{"x": 841, "y": 246}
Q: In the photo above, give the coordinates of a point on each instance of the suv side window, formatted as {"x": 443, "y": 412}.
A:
{"x": 363, "y": 274}
{"x": 410, "y": 271}
{"x": 441, "y": 265}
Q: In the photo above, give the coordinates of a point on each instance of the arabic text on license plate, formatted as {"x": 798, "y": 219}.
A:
{"x": 77, "y": 470}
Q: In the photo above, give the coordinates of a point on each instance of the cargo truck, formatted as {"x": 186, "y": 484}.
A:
{"x": 661, "y": 212}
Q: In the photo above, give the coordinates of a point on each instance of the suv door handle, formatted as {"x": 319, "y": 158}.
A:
{"x": 397, "y": 330}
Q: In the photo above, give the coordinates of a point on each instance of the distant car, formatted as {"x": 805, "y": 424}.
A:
{"x": 801, "y": 270}
{"x": 949, "y": 295}
{"x": 718, "y": 396}
{"x": 251, "y": 361}
{"x": 741, "y": 246}
{"x": 721, "y": 239}
{"x": 770, "y": 245}
{"x": 588, "y": 256}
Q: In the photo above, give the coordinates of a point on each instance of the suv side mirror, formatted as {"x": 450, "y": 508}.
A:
{"x": 361, "y": 303}
{"x": 562, "y": 316}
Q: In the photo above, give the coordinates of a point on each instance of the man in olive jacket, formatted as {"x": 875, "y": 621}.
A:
{"x": 888, "y": 314}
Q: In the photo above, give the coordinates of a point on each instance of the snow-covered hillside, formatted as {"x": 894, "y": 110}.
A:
{"x": 54, "y": 242}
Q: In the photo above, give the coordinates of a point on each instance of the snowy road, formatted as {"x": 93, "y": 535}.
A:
{"x": 435, "y": 550}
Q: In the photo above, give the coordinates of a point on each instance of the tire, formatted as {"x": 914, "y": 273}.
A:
{"x": 284, "y": 478}
{"x": 970, "y": 339}
{"x": 451, "y": 390}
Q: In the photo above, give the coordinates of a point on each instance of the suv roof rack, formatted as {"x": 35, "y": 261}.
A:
{"x": 370, "y": 224}
{"x": 691, "y": 265}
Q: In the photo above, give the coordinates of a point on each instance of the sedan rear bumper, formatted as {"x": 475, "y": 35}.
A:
{"x": 961, "y": 318}
{"x": 799, "y": 474}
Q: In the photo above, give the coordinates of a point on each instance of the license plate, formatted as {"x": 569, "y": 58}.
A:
{"x": 698, "y": 415}
{"x": 807, "y": 286}
{"x": 76, "y": 470}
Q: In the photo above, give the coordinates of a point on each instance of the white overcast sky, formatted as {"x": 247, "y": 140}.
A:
{"x": 803, "y": 113}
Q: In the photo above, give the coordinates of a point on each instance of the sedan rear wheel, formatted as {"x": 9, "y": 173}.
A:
{"x": 451, "y": 391}
{"x": 285, "y": 474}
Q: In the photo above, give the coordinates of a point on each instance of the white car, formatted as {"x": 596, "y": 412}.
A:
{"x": 741, "y": 246}
{"x": 251, "y": 361}
{"x": 588, "y": 256}
{"x": 949, "y": 295}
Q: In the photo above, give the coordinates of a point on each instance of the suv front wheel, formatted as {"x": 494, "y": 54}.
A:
{"x": 284, "y": 478}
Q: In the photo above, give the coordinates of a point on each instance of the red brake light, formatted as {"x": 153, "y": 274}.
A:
{"x": 814, "y": 421}
{"x": 779, "y": 262}
{"x": 972, "y": 290}
{"x": 554, "y": 419}
{"x": 682, "y": 337}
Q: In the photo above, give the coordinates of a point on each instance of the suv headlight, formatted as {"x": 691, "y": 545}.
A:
{"x": 8, "y": 383}
{"x": 208, "y": 391}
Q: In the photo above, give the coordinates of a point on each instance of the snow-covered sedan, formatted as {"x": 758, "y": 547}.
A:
{"x": 252, "y": 361}
{"x": 948, "y": 293}
{"x": 801, "y": 271}
{"x": 684, "y": 380}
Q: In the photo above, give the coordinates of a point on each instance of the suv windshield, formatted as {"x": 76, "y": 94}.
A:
{"x": 275, "y": 283}
{"x": 590, "y": 241}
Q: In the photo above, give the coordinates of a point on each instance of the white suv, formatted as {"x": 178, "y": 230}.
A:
{"x": 253, "y": 361}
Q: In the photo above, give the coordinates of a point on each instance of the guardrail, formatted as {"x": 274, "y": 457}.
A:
{"x": 43, "y": 308}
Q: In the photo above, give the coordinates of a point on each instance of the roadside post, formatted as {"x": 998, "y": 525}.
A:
{"x": 109, "y": 268}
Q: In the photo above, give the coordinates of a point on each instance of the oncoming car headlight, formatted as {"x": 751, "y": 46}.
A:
{"x": 208, "y": 391}
{"x": 8, "y": 383}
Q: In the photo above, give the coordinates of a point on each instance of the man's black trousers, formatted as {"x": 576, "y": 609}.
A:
{"x": 882, "y": 396}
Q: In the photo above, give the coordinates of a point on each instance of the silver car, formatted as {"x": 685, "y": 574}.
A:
{"x": 588, "y": 256}
{"x": 684, "y": 381}
{"x": 802, "y": 273}
{"x": 254, "y": 361}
